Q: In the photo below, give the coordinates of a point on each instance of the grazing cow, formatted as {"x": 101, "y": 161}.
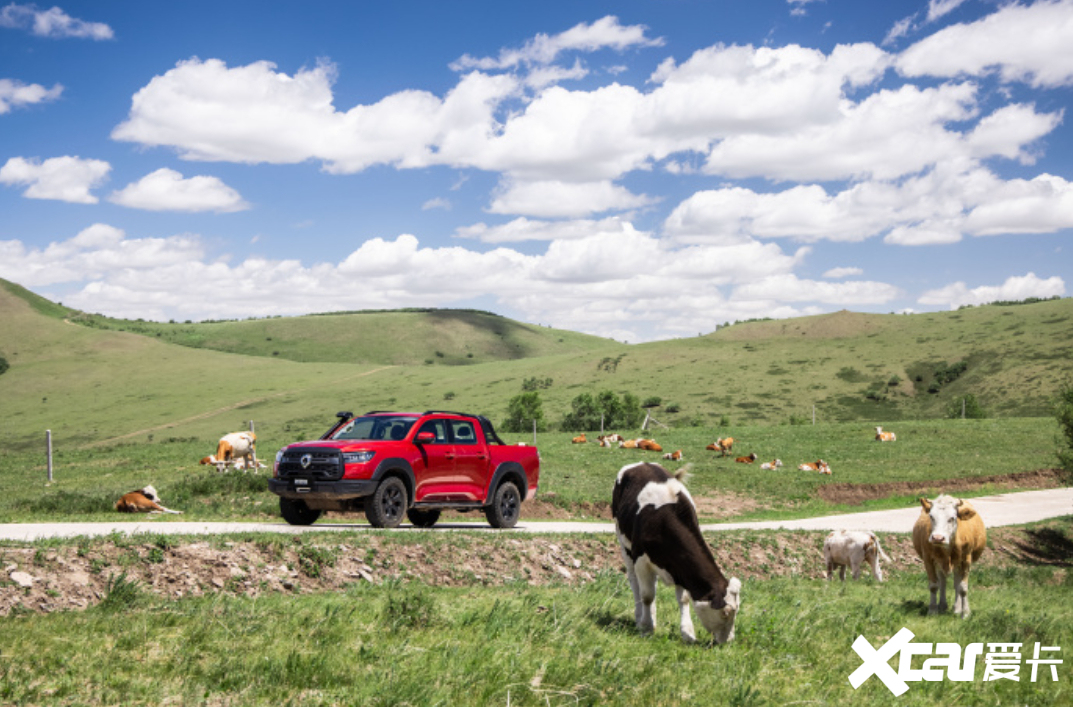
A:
{"x": 723, "y": 445}
{"x": 659, "y": 537}
{"x": 882, "y": 436}
{"x": 234, "y": 446}
{"x": 819, "y": 465}
{"x": 649, "y": 444}
{"x": 675, "y": 456}
{"x": 144, "y": 500}
{"x": 770, "y": 466}
{"x": 852, "y": 548}
{"x": 580, "y": 439}
{"x": 747, "y": 460}
{"x": 949, "y": 536}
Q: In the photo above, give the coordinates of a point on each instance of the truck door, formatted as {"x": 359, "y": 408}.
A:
{"x": 471, "y": 458}
{"x": 439, "y": 457}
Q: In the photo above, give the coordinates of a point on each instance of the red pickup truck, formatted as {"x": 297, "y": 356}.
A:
{"x": 406, "y": 464}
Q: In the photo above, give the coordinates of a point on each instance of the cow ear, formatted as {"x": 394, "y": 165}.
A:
{"x": 925, "y": 503}
{"x": 965, "y": 511}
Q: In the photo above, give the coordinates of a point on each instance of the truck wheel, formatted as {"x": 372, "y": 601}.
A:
{"x": 423, "y": 519}
{"x": 387, "y": 506}
{"x": 296, "y": 512}
{"x": 506, "y": 506}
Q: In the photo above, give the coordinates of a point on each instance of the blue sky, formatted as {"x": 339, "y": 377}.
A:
{"x": 636, "y": 170}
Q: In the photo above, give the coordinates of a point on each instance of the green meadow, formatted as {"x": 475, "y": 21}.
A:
{"x": 406, "y": 643}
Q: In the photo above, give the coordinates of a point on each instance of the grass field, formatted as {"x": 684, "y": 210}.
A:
{"x": 574, "y": 477}
{"x": 406, "y": 643}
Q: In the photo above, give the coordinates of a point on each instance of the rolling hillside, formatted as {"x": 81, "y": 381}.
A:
{"x": 92, "y": 385}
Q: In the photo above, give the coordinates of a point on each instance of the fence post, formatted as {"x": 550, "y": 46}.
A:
{"x": 534, "y": 433}
{"x": 48, "y": 443}
{"x": 251, "y": 425}
{"x": 814, "y": 415}
{"x": 601, "y": 423}
{"x": 963, "y": 408}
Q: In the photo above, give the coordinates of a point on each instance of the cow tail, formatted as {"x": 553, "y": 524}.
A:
{"x": 684, "y": 473}
{"x": 880, "y": 549}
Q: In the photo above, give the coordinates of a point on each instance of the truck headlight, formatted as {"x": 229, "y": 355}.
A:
{"x": 357, "y": 457}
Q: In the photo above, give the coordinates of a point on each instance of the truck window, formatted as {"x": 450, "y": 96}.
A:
{"x": 463, "y": 432}
{"x": 438, "y": 428}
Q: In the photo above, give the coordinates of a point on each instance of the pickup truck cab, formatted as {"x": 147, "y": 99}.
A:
{"x": 406, "y": 464}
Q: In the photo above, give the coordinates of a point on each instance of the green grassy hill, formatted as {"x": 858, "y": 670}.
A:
{"x": 92, "y": 384}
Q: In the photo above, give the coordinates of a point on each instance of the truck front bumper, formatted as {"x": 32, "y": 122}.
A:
{"x": 311, "y": 489}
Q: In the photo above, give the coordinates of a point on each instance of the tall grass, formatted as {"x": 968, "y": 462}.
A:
{"x": 522, "y": 645}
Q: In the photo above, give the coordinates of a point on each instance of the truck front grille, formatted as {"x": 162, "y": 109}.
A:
{"x": 311, "y": 463}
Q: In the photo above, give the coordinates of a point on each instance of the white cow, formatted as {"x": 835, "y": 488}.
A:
{"x": 852, "y": 548}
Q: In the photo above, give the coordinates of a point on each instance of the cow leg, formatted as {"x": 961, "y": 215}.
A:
{"x": 842, "y": 572}
{"x": 933, "y": 586}
{"x": 646, "y": 584}
{"x": 961, "y": 592}
{"x": 942, "y": 591}
{"x": 856, "y": 568}
{"x": 830, "y": 570}
{"x": 635, "y": 587}
{"x": 685, "y": 620}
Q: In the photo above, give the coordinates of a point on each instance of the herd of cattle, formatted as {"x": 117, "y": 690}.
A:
{"x": 660, "y": 538}
{"x": 723, "y": 445}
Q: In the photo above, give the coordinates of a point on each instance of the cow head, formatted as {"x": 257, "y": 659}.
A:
{"x": 720, "y": 621}
{"x": 944, "y": 513}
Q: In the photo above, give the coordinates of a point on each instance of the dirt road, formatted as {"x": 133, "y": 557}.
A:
{"x": 998, "y": 510}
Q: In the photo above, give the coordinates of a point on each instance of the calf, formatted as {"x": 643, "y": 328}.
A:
{"x": 580, "y": 439}
{"x": 949, "y": 536}
{"x": 608, "y": 440}
{"x": 882, "y": 436}
{"x": 649, "y": 444}
{"x": 628, "y": 444}
{"x": 659, "y": 537}
{"x": 747, "y": 460}
{"x": 819, "y": 465}
{"x": 777, "y": 464}
{"x": 144, "y": 500}
{"x": 675, "y": 456}
{"x": 851, "y": 548}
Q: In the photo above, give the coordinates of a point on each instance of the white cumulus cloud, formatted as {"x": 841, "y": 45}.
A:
{"x": 15, "y": 94}
{"x": 1013, "y": 289}
{"x": 167, "y": 190}
{"x": 54, "y": 23}
{"x": 60, "y": 178}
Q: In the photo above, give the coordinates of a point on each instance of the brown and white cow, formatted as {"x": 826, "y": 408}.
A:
{"x": 882, "y": 436}
{"x": 722, "y": 445}
{"x": 949, "y": 536}
{"x": 819, "y": 465}
{"x": 609, "y": 440}
{"x": 747, "y": 460}
{"x": 772, "y": 465}
{"x": 852, "y": 548}
{"x": 234, "y": 446}
{"x": 675, "y": 456}
{"x": 650, "y": 445}
{"x": 659, "y": 537}
{"x": 144, "y": 500}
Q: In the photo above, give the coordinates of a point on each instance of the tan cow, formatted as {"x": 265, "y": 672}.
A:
{"x": 882, "y": 436}
{"x": 144, "y": 500}
{"x": 580, "y": 439}
{"x": 747, "y": 460}
{"x": 650, "y": 445}
{"x": 949, "y": 536}
{"x": 235, "y": 446}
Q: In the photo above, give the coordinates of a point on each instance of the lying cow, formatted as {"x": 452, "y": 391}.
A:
{"x": 675, "y": 456}
{"x": 144, "y": 500}
{"x": 819, "y": 465}
{"x": 609, "y": 440}
{"x": 722, "y": 445}
{"x": 949, "y": 536}
{"x": 650, "y": 445}
{"x": 659, "y": 537}
{"x": 852, "y": 548}
{"x": 747, "y": 460}
{"x": 772, "y": 465}
{"x": 882, "y": 436}
{"x": 580, "y": 439}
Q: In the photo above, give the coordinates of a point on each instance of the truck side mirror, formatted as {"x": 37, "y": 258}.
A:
{"x": 426, "y": 437}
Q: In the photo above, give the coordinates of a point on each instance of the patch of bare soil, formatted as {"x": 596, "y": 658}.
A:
{"x": 76, "y": 577}
{"x": 855, "y": 494}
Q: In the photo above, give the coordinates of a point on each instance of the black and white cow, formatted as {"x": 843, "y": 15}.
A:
{"x": 658, "y": 533}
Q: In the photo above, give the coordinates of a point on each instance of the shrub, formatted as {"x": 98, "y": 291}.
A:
{"x": 651, "y": 402}
{"x": 587, "y": 411}
{"x": 894, "y": 380}
{"x": 522, "y": 410}
{"x": 972, "y": 407}
{"x": 1063, "y": 412}
{"x": 4, "y": 365}
{"x": 449, "y": 395}
{"x": 674, "y": 407}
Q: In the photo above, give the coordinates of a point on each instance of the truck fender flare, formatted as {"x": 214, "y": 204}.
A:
{"x": 504, "y": 471}
{"x": 406, "y": 471}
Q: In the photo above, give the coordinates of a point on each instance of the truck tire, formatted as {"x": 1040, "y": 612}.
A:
{"x": 387, "y": 506}
{"x": 423, "y": 519}
{"x": 296, "y": 512}
{"x": 506, "y": 506}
